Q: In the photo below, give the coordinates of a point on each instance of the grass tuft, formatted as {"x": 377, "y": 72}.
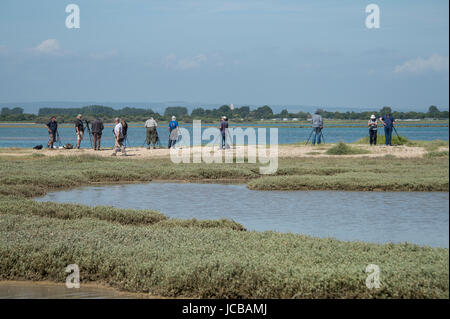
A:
{"x": 343, "y": 149}
{"x": 436, "y": 154}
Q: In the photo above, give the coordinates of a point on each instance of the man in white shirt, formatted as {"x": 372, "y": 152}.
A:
{"x": 118, "y": 135}
{"x": 151, "y": 126}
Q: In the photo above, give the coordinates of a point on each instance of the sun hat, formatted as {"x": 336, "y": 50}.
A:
{"x": 372, "y": 116}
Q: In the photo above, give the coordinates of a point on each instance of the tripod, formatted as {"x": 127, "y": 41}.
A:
{"x": 158, "y": 141}
{"x": 89, "y": 131}
{"x": 320, "y": 136}
{"x": 58, "y": 138}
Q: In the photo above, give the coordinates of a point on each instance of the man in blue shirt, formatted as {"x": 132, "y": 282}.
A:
{"x": 388, "y": 122}
{"x": 52, "y": 128}
{"x": 173, "y": 132}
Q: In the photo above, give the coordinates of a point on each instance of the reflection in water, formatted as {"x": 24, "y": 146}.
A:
{"x": 416, "y": 217}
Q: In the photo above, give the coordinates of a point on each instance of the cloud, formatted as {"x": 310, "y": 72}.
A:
{"x": 50, "y": 46}
{"x": 435, "y": 63}
{"x": 172, "y": 62}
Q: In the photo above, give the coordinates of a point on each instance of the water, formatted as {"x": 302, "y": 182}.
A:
{"x": 33, "y": 290}
{"x": 29, "y": 136}
{"x": 379, "y": 217}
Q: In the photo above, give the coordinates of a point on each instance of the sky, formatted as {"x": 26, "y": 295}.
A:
{"x": 252, "y": 52}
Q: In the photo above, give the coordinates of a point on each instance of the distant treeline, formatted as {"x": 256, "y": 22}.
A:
{"x": 237, "y": 114}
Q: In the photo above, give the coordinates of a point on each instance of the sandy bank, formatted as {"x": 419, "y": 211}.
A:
{"x": 284, "y": 151}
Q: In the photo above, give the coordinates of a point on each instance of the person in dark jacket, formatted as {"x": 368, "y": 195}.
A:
{"x": 52, "y": 128}
{"x": 223, "y": 130}
{"x": 124, "y": 131}
{"x": 388, "y": 122}
{"x": 79, "y": 129}
{"x": 97, "y": 129}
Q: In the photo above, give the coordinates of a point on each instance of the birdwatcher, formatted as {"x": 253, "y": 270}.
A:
{"x": 373, "y": 129}
{"x": 173, "y": 132}
{"x": 118, "y": 137}
{"x": 223, "y": 130}
{"x": 151, "y": 134}
{"x": 79, "y": 129}
{"x": 52, "y": 128}
{"x": 388, "y": 122}
{"x": 317, "y": 126}
{"x": 97, "y": 130}
{"x": 124, "y": 131}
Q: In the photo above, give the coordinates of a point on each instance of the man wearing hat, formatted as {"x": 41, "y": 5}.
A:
{"x": 173, "y": 132}
{"x": 373, "y": 128}
{"x": 223, "y": 130}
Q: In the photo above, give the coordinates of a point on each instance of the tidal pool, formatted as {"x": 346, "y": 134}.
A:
{"x": 47, "y": 290}
{"x": 380, "y": 217}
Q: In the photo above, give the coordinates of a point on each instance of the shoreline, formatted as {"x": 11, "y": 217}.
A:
{"x": 95, "y": 288}
{"x": 284, "y": 151}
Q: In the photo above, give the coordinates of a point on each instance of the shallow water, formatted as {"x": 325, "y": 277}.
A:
{"x": 37, "y": 290}
{"x": 416, "y": 217}
{"x": 26, "y": 136}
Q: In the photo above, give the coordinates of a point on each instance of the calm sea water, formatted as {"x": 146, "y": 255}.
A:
{"x": 25, "y": 136}
{"x": 380, "y": 217}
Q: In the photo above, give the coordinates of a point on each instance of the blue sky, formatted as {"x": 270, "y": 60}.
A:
{"x": 253, "y": 52}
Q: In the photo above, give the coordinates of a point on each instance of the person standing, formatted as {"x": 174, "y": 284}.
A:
{"x": 223, "y": 130}
{"x": 151, "y": 126}
{"x": 97, "y": 130}
{"x": 124, "y": 131}
{"x": 52, "y": 128}
{"x": 79, "y": 128}
{"x": 118, "y": 137}
{"x": 388, "y": 122}
{"x": 317, "y": 126}
{"x": 173, "y": 132}
{"x": 373, "y": 129}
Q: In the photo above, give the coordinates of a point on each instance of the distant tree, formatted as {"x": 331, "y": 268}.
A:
{"x": 386, "y": 110}
{"x": 284, "y": 113}
{"x": 225, "y": 110}
{"x": 263, "y": 112}
{"x": 302, "y": 115}
{"x": 198, "y": 112}
{"x": 433, "y": 112}
{"x": 241, "y": 112}
{"x": 178, "y": 111}
{"x": 13, "y": 111}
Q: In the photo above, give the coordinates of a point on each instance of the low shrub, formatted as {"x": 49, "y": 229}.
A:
{"x": 343, "y": 149}
{"x": 437, "y": 154}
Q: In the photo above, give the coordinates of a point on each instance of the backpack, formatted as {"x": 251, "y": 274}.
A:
{"x": 68, "y": 146}
{"x": 38, "y": 147}
{"x": 124, "y": 128}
